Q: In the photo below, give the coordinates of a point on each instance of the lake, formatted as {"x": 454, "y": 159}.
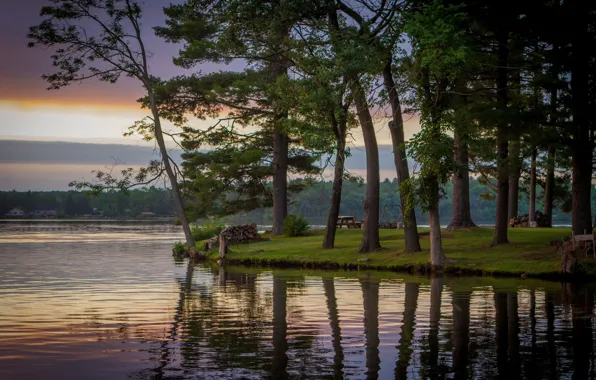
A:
{"x": 108, "y": 301}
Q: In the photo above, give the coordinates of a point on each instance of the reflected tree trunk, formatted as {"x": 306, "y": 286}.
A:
{"x": 338, "y": 357}
{"x": 501, "y": 327}
{"x": 185, "y": 288}
{"x": 370, "y": 295}
{"x": 404, "y": 348}
{"x": 461, "y": 333}
{"x": 436, "y": 288}
{"x": 550, "y": 335}
{"x": 582, "y": 309}
{"x": 280, "y": 342}
{"x": 513, "y": 336}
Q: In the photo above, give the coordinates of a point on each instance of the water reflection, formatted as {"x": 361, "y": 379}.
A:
{"x": 281, "y": 324}
{"x": 130, "y": 312}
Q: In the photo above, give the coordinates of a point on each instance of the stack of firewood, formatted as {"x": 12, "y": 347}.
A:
{"x": 245, "y": 233}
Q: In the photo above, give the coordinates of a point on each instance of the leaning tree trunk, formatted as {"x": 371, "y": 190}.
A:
{"x": 501, "y": 222}
{"x": 178, "y": 202}
{"x": 280, "y": 181}
{"x": 396, "y": 128}
{"x": 514, "y": 174}
{"x": 550, "y": 186}
{"x": 370, "y": 237}
{"x": 338, "y": 174}
{"x": 437, "y": 256}
{"x": 532, "y": 212}
{"x": 461, "y": 216}
{"x": 582, "y": 145}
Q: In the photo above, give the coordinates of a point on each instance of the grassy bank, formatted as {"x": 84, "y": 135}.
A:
{"x": 528, "y": 253}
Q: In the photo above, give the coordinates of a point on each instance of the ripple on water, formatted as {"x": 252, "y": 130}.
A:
{"x": 106, "y": 301}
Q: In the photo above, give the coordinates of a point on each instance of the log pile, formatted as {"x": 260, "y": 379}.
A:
{"x": 524, "y": 220}
{"x": 245, "y": 233}
{"x": 242, "y": 234}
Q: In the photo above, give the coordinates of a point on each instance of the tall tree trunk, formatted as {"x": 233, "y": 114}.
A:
{"x": 280, "y": 182}
{"x": 404, "y": 348}
{"x": 550, "y": 185}
{"x": 514, "y": 174}
{"x": 370, "y": 237}
{"x": 370, "y": 295}
{"x": 279, "y": 68}
{"x": 501, "y": 222}
{"x": 280, "y": 343}
{"x": 396, "y": 128}
{"x": 549, "y": 188}
{"x": 437, "y": 256}
{"x": 532, "y": 212}
{"x": 461, "y": 333}
{"x": 178, "y": 202}
{"x": 460, "y": 215}
{"x": 581, "y": 160}
{"x": 339, "y": 128}
{"x": 338, "y": 357}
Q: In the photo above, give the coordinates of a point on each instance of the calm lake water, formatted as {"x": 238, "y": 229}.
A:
{"x": 107, "y": 301}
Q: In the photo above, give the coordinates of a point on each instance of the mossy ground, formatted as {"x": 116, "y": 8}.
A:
{"x": 528, "y": 252}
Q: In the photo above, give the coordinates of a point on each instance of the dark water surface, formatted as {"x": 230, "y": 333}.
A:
{"x": 107, "y": 301}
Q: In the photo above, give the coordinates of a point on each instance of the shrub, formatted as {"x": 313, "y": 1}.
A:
{"x": 180, "y": 249}
{"x": 207, "y": 230}
{"x": 295, "y": 226}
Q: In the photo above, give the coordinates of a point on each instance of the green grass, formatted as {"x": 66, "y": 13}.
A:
{"x": 527, "y": 253}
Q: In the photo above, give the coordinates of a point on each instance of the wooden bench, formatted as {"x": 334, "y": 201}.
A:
{"x": 585, "y": 237}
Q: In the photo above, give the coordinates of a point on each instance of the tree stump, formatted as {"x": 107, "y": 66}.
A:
{"x": 569, "y": 262}
{"x": 223, "y": 245}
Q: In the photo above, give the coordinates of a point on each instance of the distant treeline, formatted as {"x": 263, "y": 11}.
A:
{"x": 311, "y": 203}
{"x": 73, "y": 203}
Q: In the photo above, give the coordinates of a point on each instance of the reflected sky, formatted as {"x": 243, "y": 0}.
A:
{"x": 121, "y": 309}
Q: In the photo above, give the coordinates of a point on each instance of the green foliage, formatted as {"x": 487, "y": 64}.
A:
{"x": 295, "y": 225}
{"x": 180, "y": 249}
{"x": 207, "y": 230}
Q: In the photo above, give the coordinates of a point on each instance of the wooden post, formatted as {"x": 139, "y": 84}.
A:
{"x": 223, "y": 245}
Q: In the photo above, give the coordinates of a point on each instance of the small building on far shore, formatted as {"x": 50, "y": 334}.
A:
{"x": 45, "y": 212}
{"x": 15, "y": 212}
{"x": 146, "y": 214}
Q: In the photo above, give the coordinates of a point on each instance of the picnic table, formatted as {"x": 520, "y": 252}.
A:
{"x": 349, "y": 221}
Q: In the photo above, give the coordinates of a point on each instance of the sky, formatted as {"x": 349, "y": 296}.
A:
{"x": 91, "y": 112}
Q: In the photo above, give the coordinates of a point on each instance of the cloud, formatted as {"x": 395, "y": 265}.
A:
{"x": 68, "y": 153}
{"x": 51, "y": 165}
